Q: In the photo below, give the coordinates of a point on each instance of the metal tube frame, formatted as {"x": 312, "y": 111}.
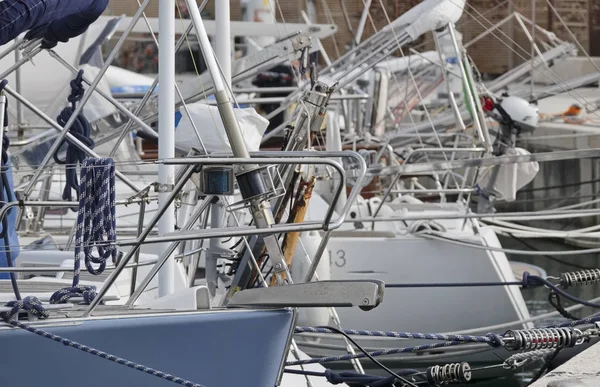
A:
{"x": 110, "y": 99}
{"x": 88, "y": 93}
{"x": 63, "y": 204}
{"x": 166, "y": 254}
{"x": 64, "y": 134}
{"x": 290, "y": 158}
{"x": 181, "y": 236}
{"x": 21, "y": 62}
{"x": 58, "y": 269}
{"x": 179, "y": 184}
{"x": 174, "y": 245}
{"x": 485, "y": 162}
{"x": 417, "y": 151}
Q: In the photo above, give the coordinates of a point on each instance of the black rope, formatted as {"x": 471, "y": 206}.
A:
{"x": 81, "y": 130}
{"x": 546, "y": 366}
{"x": 554, "y": 300}
{"x": 367, "y": 354}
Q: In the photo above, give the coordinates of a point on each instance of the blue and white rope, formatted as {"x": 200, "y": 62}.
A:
{"x": 96, "y": 226}
{"x": 491, "y": 339}
{"x": 569, "y": 324}
{"x": 34, "y": 306}
{"x": 383, "y": 352}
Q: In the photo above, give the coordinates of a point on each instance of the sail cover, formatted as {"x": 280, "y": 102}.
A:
{"x": 54, "y": 20}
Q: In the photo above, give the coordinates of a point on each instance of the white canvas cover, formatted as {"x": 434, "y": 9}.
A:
{"x": 211, "y": 129}
{"x": 511, "y": 177}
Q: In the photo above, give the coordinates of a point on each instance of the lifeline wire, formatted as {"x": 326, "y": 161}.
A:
{"x": 372, "y": 358}
{"x": 492, "y": 339}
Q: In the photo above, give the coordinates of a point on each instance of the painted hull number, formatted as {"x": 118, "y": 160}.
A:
{"x": 339, "y": 259}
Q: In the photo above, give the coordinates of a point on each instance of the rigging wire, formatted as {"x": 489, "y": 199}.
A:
{"x": 367, "y": 354}
{"x": 434, "y": 235}
{"x": 550, "y": 257}
{"x": 557, "y": 79}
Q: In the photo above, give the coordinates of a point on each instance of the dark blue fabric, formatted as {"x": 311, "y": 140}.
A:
{"x": 54, "y": 20}
{"x": 13, "y": 239}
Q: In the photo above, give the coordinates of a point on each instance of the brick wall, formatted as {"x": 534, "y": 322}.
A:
{"x": 129, "y": 7}
{"x": 490, "y": 54}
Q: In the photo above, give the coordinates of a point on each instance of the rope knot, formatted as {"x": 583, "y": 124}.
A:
{"x": 62, "y": 296}
{"x": 30, "y": 304}
{"x": 495, "y": 340}
{"x": 77, "y": 90}
{"x": 530, "y": 281}
{"x": 481, "y": 192}
{"x": 333, "y": 377}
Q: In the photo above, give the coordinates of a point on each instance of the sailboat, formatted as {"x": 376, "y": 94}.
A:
{"x": 298, "y": 240}
{"x": 137, "y": 334}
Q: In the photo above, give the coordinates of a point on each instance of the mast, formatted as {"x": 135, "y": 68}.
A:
{"x": 223, "y": 54}
{"x": 223, "y": 38}
{"x": 166, "y": 134}
{"x": 252, "y": 184}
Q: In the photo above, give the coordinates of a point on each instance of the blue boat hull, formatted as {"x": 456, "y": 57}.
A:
{"x": 214, "y": 349}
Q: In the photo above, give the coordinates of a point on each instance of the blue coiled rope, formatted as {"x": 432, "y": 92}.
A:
{"x": 35, "y": 307}
{"x": 96, "y": 226}
{"x": 81, "y": 129}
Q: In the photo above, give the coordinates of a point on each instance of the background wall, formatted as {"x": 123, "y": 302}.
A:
{"x": 491, "y": 55}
